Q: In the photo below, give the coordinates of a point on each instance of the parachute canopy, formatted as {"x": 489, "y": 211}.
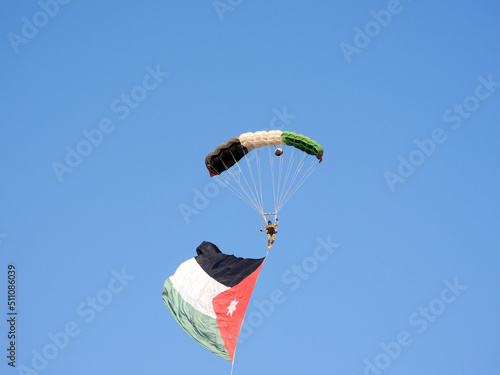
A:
{"x": 208, "y": 296}
{"x": 238, "y": 165}
{"x": 229, "y": 153}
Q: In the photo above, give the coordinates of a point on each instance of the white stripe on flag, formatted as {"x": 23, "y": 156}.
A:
{"x": 196, "y": 287}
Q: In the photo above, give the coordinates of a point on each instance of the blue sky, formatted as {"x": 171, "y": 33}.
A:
{"x": 108, "y": 111}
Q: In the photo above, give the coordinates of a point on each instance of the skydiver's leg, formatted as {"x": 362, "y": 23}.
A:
{"x": 269, "y": 243}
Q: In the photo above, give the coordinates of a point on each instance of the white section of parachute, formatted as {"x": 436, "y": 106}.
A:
{"x": 261, "y": 173}
{"x": 252, "y": 141}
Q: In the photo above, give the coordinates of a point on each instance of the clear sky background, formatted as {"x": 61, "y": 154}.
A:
{"x": 403, "y": 96}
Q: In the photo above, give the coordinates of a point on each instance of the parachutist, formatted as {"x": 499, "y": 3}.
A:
{"x": 271, "y": 232}
{"x": 278, "y": 152}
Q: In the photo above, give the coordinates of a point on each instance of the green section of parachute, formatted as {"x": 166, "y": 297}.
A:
{"x": 303, "y": 143}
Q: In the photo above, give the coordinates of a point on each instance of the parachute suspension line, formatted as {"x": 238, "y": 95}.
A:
{"x": 307, "y": 173}
{"x": 248, "y": 193}
{"x": 301, "y": 180}
{"x": 282, "y": 177}
{"x": 237, "y": 180}
{"x": 247, "y": 199}
{"x": 260, "y": 202}
{"x": 255, "y": 200}
{"x": 253, "y": 180}
{"x": 271, "y": 162}
{"x": 226, "y": 183}
{"x": 260, "y": 182}
{"x": 287, "y": 175}
{"x": 279, "y": 178}
{"x": 236, "y": 346}
{"x": 292, "y": 181}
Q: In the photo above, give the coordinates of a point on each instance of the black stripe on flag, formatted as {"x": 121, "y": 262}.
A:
{"x": 226, "y": 269}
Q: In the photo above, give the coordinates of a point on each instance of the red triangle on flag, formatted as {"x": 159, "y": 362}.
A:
{"x": 230, "y": 307}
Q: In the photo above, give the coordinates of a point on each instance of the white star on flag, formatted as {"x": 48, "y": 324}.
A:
{"x": 232, "y": 307}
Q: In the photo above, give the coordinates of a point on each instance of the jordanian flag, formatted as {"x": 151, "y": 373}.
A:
{"x": 209, "y": 294}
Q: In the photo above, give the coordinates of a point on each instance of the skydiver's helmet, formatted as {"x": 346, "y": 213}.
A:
{"x": 269, "y": 222}
{"x": 278, "y": 152}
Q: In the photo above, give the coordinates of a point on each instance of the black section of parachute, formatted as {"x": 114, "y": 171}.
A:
{"x": 226, "y": 269}
{"x": 225, "y": 156}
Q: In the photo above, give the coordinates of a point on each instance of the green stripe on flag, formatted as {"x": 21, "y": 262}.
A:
{"x": 200, "y": 327}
